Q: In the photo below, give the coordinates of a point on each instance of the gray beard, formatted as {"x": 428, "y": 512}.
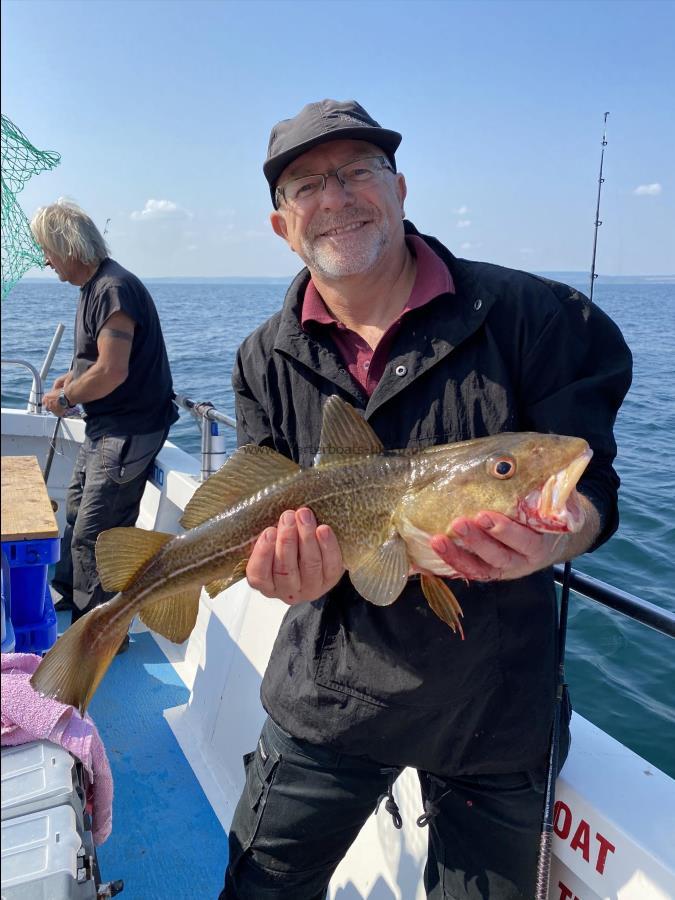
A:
{"x": 326, "y": 261}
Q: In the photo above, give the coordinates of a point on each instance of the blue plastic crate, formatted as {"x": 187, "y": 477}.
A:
{"x": 38, "y": 637}
{"x": 31, "y": 609}
{"x": 28, "y": 562}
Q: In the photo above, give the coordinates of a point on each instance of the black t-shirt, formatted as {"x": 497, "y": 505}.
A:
{"x": 143, "y": 402}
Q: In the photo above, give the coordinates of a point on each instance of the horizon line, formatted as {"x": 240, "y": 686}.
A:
{"x": 286, "y": 278}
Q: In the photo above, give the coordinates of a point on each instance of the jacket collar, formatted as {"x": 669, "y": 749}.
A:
{"x": 444, "y": 324}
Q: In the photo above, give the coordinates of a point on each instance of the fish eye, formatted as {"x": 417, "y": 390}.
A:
{"x": 502, "y": 467}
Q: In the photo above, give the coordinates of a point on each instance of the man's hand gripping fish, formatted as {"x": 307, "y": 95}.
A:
{"x": 384, "y": 507}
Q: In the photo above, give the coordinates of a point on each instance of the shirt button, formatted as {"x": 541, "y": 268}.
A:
{"x": 401, "y": 371}
{"x": 477, "y": 305}
{"x": 341, "y": 371}
{"x": 366, "y": 365}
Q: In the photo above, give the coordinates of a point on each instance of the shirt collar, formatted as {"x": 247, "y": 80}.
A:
{"x": 432, "y": 278}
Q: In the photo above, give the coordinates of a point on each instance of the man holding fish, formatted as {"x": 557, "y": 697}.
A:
{"x": 406, "y": 418}
{"x": 431, "y": 349}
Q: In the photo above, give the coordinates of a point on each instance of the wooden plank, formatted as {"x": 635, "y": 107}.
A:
{"x": 26, "y": 508}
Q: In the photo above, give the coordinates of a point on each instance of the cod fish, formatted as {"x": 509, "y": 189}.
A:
{"x": 383, "y": 507}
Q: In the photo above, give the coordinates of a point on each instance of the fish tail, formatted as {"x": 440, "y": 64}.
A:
{"x": 73, "y": 668}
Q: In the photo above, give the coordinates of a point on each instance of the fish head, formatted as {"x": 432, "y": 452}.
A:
{"x": 527, "y": 476}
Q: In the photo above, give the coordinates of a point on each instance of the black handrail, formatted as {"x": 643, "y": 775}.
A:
{"x": 655, "y": 617}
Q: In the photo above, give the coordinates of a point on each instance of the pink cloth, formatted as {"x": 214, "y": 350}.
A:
{"x": 28, "y": 716}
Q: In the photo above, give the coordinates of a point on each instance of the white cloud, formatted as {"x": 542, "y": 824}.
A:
{"x": 461, "y": 210}
{"x": 526, "y": 251}
{"x": 159, "y": 209}
{"x": 468, "y": 245}
{"x": 648, "y": 190}
{"x": 464, "y": 223}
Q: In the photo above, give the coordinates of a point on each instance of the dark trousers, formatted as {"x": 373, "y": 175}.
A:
{"x": 303, "y": 806}
{"x": 105, "y": 491}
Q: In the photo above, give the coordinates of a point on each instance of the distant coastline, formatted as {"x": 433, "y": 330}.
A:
{"x": 186, "y": 279}
{"x": 285, "y": 279}
{"x": 609, "y": 279}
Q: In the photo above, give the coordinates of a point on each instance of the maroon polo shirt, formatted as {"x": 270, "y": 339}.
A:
{"x": 366, "y": 365}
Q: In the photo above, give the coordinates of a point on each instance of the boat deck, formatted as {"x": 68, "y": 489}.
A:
{"x": 166, "y": 840}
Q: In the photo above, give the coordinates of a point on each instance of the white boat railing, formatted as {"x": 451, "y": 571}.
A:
{"x": 35, "y": 399}
{"x": 635, "y": 608}
{"x": 209, "y": 420}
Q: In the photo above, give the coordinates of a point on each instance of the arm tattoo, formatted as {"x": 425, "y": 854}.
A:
{"x": 116, "y": 333}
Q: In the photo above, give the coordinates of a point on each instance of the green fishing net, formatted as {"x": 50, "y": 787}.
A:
{"x": 20, "y": 160}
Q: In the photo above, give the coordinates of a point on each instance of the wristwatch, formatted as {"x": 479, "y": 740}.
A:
{"x": 63, "y": 401}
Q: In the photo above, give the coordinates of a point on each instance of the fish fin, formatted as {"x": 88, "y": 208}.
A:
{"x": 72, "y": 669}
{"x": 122, "y": 552}
{"x": 443, "y": 602}
{"x": 247, "y": 471}
{"x": 173, "y": 617}
{"x": 383, "y": 574}
{"x": 344, "y": 433}
{"x": 215, "y": 587}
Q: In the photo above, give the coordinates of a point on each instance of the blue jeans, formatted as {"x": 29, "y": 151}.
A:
{"x": 105, "y": 491}
{"x": 303, "y": 806}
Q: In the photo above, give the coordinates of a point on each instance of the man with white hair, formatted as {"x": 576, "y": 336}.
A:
{"x": 431, "y": 349}
{"x": 120, "y": 376}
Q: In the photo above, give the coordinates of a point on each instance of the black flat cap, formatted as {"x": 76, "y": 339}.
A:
{"x": 316, "y": 123}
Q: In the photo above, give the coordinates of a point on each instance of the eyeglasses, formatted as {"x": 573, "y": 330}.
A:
{"x": 354, "y": 175}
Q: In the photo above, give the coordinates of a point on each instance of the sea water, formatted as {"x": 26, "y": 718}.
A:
{"x": 621, "y": 673}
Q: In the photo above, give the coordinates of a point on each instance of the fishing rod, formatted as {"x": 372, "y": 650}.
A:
{"x": 52, "y": 448}
{"x": 598, "y": 221}
{"x": 546, "y": 839}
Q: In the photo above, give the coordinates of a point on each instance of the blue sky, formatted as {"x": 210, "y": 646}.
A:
{"x": 161, "y": 112}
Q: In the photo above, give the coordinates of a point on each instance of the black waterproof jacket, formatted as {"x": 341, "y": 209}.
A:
{"x": 508, "y": 351}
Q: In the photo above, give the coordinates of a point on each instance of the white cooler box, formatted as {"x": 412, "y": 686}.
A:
{"x": 47, "y": 847}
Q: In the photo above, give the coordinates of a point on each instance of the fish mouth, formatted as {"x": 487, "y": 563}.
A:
{"x": 555, "y": 506}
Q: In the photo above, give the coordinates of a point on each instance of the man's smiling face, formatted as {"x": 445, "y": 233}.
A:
{"x": 341, "y": 232}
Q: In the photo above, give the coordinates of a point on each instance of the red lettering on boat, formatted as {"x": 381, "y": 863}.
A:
{"x": 566, "y": 893}
{"x": 582, "y": 840}
{"x": 562, "y": 809}
{"x": 605, "y": 848}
